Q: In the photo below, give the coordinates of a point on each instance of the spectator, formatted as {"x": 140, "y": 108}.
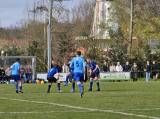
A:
{"x": 52, "y": 64}
{"x": 147, "y": 69}
{"x": 23, "y": 73}
{"x": 2, "y": 74}
{"x": 86, "y": 70}
{"x": 8, "y": 72}
{"x": 135, "y": 70}
{"x": 154, "y": 71}
{"x": 65, "y": 68}
{"x": 112, "y": 67}
{"x": 105, "y": 67}
{"x": 59, "y": 67}
{"x": 126, "y": 67}
{"x": 29, "y": 74}
{"x": 119, "y": 67}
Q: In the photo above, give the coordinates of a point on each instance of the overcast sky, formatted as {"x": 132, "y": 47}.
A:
{"x": 11, "y": 11}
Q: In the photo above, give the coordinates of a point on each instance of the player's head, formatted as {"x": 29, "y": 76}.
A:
{"x": 2, "y": 67}
{"x": 154, "y": 62}
{"x": 88, "y": 59}
{"x": 78, "y": 53}
{"x": 55, "y": 65}
{"x": 18, "y": 59}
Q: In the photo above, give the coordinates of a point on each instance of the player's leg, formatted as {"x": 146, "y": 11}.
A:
{"x": 20, "y": 86}
{"x": 73, "y": 85}
{"x": 15, "y": 82}
{"x": 82, "y": 80}
{"x": 91, "y": 81}
{"x": 67, "y": 77}
{"x": 58, "y": 86}
{"x": 97, "y": 81}
{"x": 50, "y": 84}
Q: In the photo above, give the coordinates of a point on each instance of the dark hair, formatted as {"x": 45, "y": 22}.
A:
{"x": 55, "y": 65}
{"x": 79, "y": 53}
{"x": 8, "y": 66}
{"x": 111, "y": 64}
{"x": 88, "y": 58}
{"x": 2, "y": 66}
{"x": 18, "y": 59}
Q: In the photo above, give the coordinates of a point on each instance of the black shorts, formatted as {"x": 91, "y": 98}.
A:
{"x": 52, "y": 79}
{"x": 94, "y": 74}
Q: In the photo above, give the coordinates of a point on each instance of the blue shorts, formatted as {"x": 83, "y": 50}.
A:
{"x": 79, "y": 77}
{"x": 71, "y": 72}
{"x": 16, "y": 77}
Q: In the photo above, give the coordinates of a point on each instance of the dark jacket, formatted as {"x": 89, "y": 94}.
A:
{"x": 22, "y": 71}
{"x": 147, "y": 67}
{"x": 2, "y": 72}
{"x": 105, "y": 68}
{"x": 154, "y": 68}
{"x": 59, "y": 68}
{"x": 135, "y": 71}
{"x": 126, "y": 68}
{"x": 28, "y": 71}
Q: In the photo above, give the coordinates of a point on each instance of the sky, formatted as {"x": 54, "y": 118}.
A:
{"x": 12, "y": 11}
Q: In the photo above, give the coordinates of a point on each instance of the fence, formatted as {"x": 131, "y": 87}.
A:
{"x": 25, "y": 61}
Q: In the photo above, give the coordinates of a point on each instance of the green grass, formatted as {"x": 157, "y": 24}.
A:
{"x": 136, "y": 98}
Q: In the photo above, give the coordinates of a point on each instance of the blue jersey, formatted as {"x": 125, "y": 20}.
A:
{"x": 15, "y": 67}
{"x": 78, "y": 63}
{"x": 92, "y": 65}
{"x": 52, "y": 72}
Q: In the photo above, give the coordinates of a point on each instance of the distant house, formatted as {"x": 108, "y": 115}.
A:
{"x": 8, "y": 43}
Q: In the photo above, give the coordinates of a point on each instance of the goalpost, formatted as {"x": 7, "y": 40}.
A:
{"x": 25, "y": 61}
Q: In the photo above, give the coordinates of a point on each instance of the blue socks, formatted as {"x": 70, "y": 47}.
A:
{"x": 67, "y": 77}
{"x": 20, "y": 87}
{"x": 49, "y": 87}
{"x": 58, "y": 86}
{"x": 79, "y": 85}
{"x": 73, "y": 86}
{"x": 91, "y": 83}
{"x": 98, "y": 85}
{"x": 16, "y": 86}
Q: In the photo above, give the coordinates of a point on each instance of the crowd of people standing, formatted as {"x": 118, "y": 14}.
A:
{"x": 133, "y": 69}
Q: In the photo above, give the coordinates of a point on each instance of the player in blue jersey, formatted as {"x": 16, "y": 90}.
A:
{"x": 70, "y": 73}
{"x": 16, "y": 75}
{"x": 78, "y": 63}
{"x": 51, "y": 78}
{"x": 94, "y": 73}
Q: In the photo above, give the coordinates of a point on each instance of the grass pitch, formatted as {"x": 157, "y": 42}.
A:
{"x": 116, "y": 100}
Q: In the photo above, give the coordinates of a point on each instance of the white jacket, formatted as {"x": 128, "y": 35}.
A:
{"x": 112, "y": 68}
{"x": 119, "y": 68}
{"x": 67, "y": 69}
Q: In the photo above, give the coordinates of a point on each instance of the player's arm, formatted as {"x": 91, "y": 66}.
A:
{"x": 95, "y": 68}
{"x": 90, "y": 72}
{"x": 84, "y": 64}
{"x": 59, "y": 75}
{"x": 19, "y": 69}
{"x": 71, "y": 65}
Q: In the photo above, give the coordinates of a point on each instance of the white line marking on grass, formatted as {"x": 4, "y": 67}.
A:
{"x": 41, "y": 112}
{"x": 140, "y": 109}
{"x": 90, "y": 109}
